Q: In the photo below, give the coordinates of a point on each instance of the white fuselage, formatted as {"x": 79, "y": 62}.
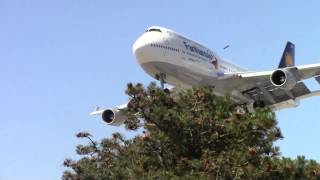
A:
{"x": 184, "y": 62}
{"x": 171, "y": 58}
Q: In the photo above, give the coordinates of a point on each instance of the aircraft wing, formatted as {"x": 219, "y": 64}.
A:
{"x": 301, "y": 73}
{"x": 256, "y": 86}
{"x": 308, "y": 71}
{"x": 111, "y": 116}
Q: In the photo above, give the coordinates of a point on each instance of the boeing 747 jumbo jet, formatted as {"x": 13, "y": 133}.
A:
{"x": 174, "y": 59}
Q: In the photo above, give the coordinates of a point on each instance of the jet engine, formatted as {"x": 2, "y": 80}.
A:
{"x": 113, "y": 117}
{"x": 283, "y": 79}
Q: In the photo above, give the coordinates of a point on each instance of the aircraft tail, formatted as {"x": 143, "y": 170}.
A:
{"x": 287, "y": 59}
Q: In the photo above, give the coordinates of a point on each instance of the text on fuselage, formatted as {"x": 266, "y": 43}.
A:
{"x": 197, "y": 50}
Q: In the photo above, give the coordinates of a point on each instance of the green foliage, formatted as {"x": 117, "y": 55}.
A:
{"x": 190, "y": 134}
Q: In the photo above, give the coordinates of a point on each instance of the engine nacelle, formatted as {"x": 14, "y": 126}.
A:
{"x": 113, "y": 117}
{"x": 283, "y": 79}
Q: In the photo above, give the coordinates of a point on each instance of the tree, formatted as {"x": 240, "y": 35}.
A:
{"x": 190, "y": 134}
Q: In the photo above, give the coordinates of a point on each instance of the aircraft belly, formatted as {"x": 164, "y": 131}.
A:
{"x": 175, "y": 74}
{"x": 185, "y": 76}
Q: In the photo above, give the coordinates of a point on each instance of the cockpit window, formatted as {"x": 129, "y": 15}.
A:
{"x": 153, "y": 29}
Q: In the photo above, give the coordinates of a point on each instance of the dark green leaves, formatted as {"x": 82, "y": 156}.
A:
{"x": 189, "y": 134}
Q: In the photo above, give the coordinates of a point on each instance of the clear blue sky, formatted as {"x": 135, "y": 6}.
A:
{"x": 60, "y": 58}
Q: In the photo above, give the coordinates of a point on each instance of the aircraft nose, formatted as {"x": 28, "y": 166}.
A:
{"x": 139, "y": 47}
{"x": 142, "y": 48}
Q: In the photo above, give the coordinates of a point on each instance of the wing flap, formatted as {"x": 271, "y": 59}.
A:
{"x": 271, "y": 95}
{"x": 318, "y": 79}
{"x": 300, "y": 89}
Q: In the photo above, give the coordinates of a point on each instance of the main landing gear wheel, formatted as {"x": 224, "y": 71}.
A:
{"x": 259, "y": 104}
{"x": 161, "y": 77}
{"x": 241, "y": 109}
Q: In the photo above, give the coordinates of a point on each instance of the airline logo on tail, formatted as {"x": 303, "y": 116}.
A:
{"x": 289, "y": 59}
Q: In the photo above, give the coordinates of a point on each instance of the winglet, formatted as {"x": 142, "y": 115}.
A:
{"x": 287, "y": 59}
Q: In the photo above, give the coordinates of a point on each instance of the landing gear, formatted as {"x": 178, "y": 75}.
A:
{"x": 259, "y": 104}
{"x": 249, "y": 107}
{"x": 240, "y": 110}
{"x": 161, "y": 77}
{"x": 245, "y": 108}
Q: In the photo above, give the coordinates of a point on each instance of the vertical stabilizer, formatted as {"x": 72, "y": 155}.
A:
{"x": 287, "y": 59}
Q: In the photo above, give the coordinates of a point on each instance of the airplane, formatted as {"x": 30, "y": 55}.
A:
{"x": 178, "y": 61}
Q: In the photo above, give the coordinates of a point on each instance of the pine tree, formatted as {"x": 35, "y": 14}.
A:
{"x": 189, "y": 134}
